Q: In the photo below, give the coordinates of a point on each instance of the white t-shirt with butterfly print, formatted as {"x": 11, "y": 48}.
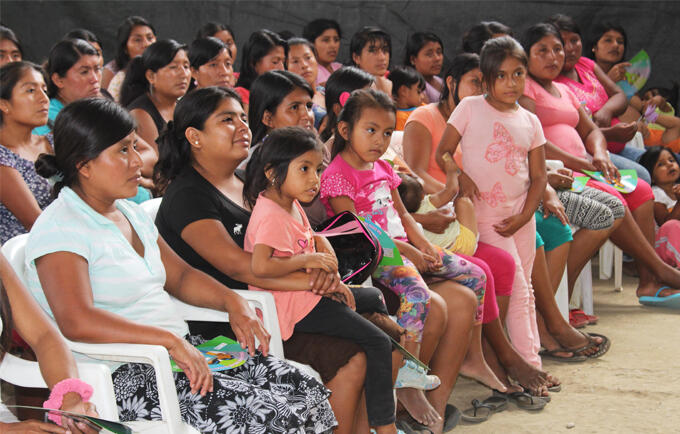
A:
{"x": 495, "y": 147}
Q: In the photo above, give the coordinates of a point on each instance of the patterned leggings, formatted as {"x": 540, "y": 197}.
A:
{"x": 408, "y": 284}
{"x": 590, "y": 209}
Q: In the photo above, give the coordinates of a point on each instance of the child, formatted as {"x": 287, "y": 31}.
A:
{"x": 408, "y": 92}
{"x": 283, "y": 171}
{"x": 662, "y": 125}
{"x": 504, "y": 163}
{"x": 357, "y": 180}
{"x": 458, "y": 238}
{"x": 662, "y": 164}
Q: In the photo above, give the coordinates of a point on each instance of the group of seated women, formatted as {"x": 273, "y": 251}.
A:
{"x": 245, "y": 164}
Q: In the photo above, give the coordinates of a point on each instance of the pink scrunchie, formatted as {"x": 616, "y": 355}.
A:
{"x": 62, "y": 388}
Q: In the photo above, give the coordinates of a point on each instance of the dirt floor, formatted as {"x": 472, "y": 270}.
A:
{"x": 633, "y": 388}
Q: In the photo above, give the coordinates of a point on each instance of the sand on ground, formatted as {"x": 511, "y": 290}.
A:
{"x": 634, "y": 388}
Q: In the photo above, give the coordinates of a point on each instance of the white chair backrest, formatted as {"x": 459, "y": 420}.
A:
{"x": 151, "y": 207}
{"x": 395, "y": 143}
{"x": 14, "y": 251}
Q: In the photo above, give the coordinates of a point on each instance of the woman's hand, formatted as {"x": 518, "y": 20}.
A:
{"x": 192, "y": 362}
{"x": 247, "y": 326}
{"x": 510, "y": 225}
{"x": 74, "y": 403}
{"x": 643, "y": 129}
{"x": 605, "y": 165}
{"x": 436, "y": 221}
{"x": 322, "y": 282}
{"x": 561, "y": 179}
{"x": 553, "y": 205}
{"x": 430, "y": 251}
{"x": 31, "y": 427}
{"x": 468, "y": 188}
{"x": 603, "y": 118}
{"x": 342, "y": 294}
{"x": 618, "y": 71}
{"x": 621, "y": 132}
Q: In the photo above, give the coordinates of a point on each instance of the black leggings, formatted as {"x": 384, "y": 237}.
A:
{"x": 336, "y": 319}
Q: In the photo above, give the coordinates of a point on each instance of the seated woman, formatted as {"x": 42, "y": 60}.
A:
{"x": 134, "y": 35}
{"x": 19, "y": 312}
{"x": 211, "y": 63}
{"x": 567, "y": 127}
{"x": 301, "y": 61}
{"x": 72, "y": 72}
{"x": 371, "y": 49}
{"x": 264, "y": 51}
{"x": 90, "y": 37}
{"x": 221, "y": 32}
{"x": 153, "y": 83}
{"x": 425, "y": 52}
{"x": 608, "y": 43}
{"x": 325, "y": 35}
{"x": 23, "y": 106}
{"x": 120, "y": 276}
{"x": 10, "y": 47}
{"x": 600, "y": 95}
{"x": 204, "y": 218}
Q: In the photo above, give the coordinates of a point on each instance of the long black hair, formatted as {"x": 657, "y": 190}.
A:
{"x": 351, "y": 112}
{"x": 155, "y": 57}
{"x": 651, "y": 156}
{"x": 475, "y": 37}
{"x": 122, "y": 56}
{"x": 345, "y": 79}
{"x": 266, "y": 93}
{"x": 598, "y": 32}
{"x": 260, "y": 43}
{"x": 191, "y": 111}
{"x": 7, "y": 33}
{"x": 63, "y": 55}
{"x": 368, "y": 35}
{"x": 537, "y": 32}
{"x": 82, "y": 130}
{"x": 10, "y": 74}
{"x": 461, "y": 65}
{"x": 275, "y": 153}
{"x": 416, "y": 42}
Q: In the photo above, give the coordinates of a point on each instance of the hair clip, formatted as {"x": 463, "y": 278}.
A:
{"x": 343, "y": 98}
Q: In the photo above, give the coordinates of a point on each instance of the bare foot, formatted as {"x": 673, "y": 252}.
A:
{"x": 526, "y": 374}
{"x": 650, "y": 290}
{"x": 477, "y": 369}
{"x": 570, "y": 338}
{"x": 418, "y": 406}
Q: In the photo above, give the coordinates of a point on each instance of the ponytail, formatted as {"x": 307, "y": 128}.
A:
{"x": 174, "y": 155}
{"x": 135, "y": 83}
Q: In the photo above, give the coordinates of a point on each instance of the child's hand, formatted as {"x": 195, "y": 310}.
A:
{"x": 553, "y": 205}
{"x": 676, "y": 190}
{"x": 420, "y": 259}
{"x": 449, "y": 165}
{"x": 324, "y": 261}
{"x": 560, "y": 180}
{"x": 510, "y": 225}
{"x": 431, "y": 251}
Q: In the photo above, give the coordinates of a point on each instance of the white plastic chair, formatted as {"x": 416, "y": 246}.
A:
{"x": 610, "y": 257}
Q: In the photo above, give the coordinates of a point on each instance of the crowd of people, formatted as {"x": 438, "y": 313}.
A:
{"x": 465, "y": 166}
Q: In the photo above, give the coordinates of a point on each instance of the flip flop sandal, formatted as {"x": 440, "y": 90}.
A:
{"x": 574, "y": 358}
{"x": 545, "y": 398}
{"x": 478, "y": 413}
{"x": 524, "y": 400}
{"x": 602, "y": 347}
{"x": 451, "y": 417}
{"x": 498, "y": 403}
{"x": 404, "y": 426}
{"x": 556, "y": 388}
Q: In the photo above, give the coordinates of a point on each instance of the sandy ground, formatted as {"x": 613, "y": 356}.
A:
{"x": 633, "y": 388}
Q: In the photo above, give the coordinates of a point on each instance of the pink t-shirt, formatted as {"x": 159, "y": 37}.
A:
{"x": 370, "y": 190}
{"x": 495, "y": 146}
{"x": 322, "y": 73}
{"x": 559, "y": 116}
{"x": 272, "y": 226}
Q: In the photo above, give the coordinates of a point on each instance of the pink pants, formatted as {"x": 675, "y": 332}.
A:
{"x": 667, "y": 244}
{"x": 521, "y": 319}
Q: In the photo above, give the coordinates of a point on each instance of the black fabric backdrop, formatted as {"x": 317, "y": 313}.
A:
{"x": 654, "y": 26}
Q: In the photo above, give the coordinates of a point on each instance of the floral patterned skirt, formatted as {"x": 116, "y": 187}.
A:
{"x": 264, "y": 395}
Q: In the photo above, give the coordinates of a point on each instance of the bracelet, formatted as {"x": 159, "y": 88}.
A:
{"x": 62, "y": 388}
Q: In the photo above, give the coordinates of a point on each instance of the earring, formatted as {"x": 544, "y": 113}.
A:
{"x": 196, "y": 142}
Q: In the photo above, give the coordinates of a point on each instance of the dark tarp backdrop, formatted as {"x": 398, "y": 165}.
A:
{"x": 653, "y": 26}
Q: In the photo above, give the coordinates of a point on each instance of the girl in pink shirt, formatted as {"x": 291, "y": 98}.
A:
{"x": 505, "y": 173}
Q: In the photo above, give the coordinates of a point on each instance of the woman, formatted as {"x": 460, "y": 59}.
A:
{"x": 575, "y": 139}
{"x": 87, "y": 36}
{"x": 475, "y": 37}
{"x": 23, "y": 106}
{"x": 221, "y": 32}
{"x": 371, "y": 49}
{"x": 19, "y": 311}
{"x": 73, "y": 72}
{"x": 608, "y": 45}
{"x": 88, "y": 235}
{"x": 601, "y": 96}
{"x": 325, "y": 35}
{"x": 134, "y": 35}
{"x": 10, "y": 48}
{"x": 425, "y": 52}
{"x": 264, "y": 51}
{"x": 211, "y": 63}
{"x": 302, "y": 62}
{"x": 154, "y": 82}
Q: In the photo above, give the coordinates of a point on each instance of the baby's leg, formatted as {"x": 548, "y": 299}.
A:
{"x": 465, "y": 212}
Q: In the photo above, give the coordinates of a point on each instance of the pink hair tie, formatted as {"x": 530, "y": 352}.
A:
{"x": 63, "y": 387}
{"x": 343, "y": 98}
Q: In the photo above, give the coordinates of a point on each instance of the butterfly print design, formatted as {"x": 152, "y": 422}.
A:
{"x": 495, "y": 196}
{"x": 504, "y": 147}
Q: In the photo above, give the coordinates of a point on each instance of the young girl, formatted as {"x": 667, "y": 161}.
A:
{"x": 283, "y": 171}
{"x": 662, "y": 164}
{"x": 505, "y": 173}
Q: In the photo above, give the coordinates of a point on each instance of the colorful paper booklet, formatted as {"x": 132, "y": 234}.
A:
{"x": 579, "y": 183}
{"x": 636, "y": 74}
{"x": 391, "y": 254}
{"x": 625, "y": 184}
{"x": 221, "y": 353}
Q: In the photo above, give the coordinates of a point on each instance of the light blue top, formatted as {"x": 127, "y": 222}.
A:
{"x": 122, "y": 282}
{"x": 55, "y": 108}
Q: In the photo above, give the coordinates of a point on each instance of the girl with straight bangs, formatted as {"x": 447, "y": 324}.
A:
{"x": 371, "y": 49}
{"x": 153, "y": 84}
{"x": 133, "y": 36}
{"x": 222, "y": 32}
{"x": 10, "y": 47}
{"x": 425, "y": 52}
{"x": 264, "y": 51}
{"x": 325, "y": 35}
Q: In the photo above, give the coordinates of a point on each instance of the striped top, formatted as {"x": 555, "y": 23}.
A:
{"x": 122, "y": 282}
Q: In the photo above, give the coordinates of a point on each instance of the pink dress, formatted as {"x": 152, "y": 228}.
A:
{"x": 272, "y": 226}
{"x": 495, "y": 147}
